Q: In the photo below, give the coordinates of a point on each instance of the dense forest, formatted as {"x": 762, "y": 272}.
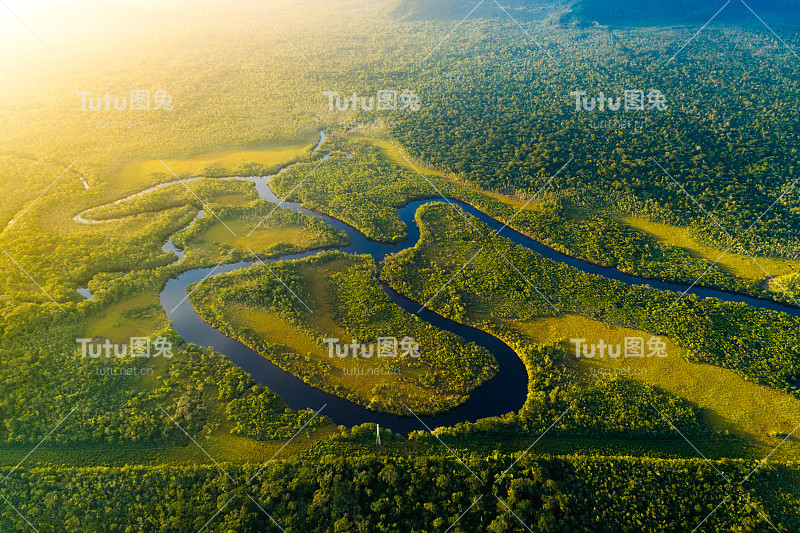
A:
{"x": 518, "y": 126}
{"x": 420, "y": 494}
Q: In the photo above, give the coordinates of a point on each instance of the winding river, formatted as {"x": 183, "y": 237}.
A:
{"x": 504, "y": 393}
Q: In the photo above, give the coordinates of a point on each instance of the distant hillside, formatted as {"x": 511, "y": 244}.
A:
{"x": 429, "y": 9}
{"x": 610, "y": 12}
{"x": 624, "y": 12}
{"x": 458, "y": 9}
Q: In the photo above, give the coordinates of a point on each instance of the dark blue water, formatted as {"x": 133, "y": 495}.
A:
{"x": 505, "y": 393}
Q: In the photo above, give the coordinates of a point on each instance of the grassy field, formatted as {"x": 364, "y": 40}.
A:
{"x": 260, "y": 239}
{"x": 226, "y": 162}
{"x": 735, "y": 264}
{"x": 134, "y": 317}
{"x": 393, "y": 153}
{"x": 728, "y": 402}
{"x": 230, "y": 199}
{"x": 270, "y": 326}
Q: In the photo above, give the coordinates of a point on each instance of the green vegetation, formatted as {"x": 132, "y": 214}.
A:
{"x": 127, "y": 318}
{"x": 393, "y": 153}
{"x": 765, "y": 346}
{"x": 170, "y": 195}
{"x": 788, "y": 284}
{"x": 426, "y": 493}
{"x": 44, "y": 369}
{"x": 724, "y": 400}
{"x": 227, "y": 163}
{"x": 253, "y": 410}
{"x": 497, "y": 122}
{"x": 608, "y": 407}
{"x": 115, "y": 406}
{"x": 735, "y": 264}
{"x": 364, "y": 190}
{"x": 256, "y": 227}
{"x": 505, "y": 121}
{"x": 285, "y": 313}
{"x": 491, "y": 294}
